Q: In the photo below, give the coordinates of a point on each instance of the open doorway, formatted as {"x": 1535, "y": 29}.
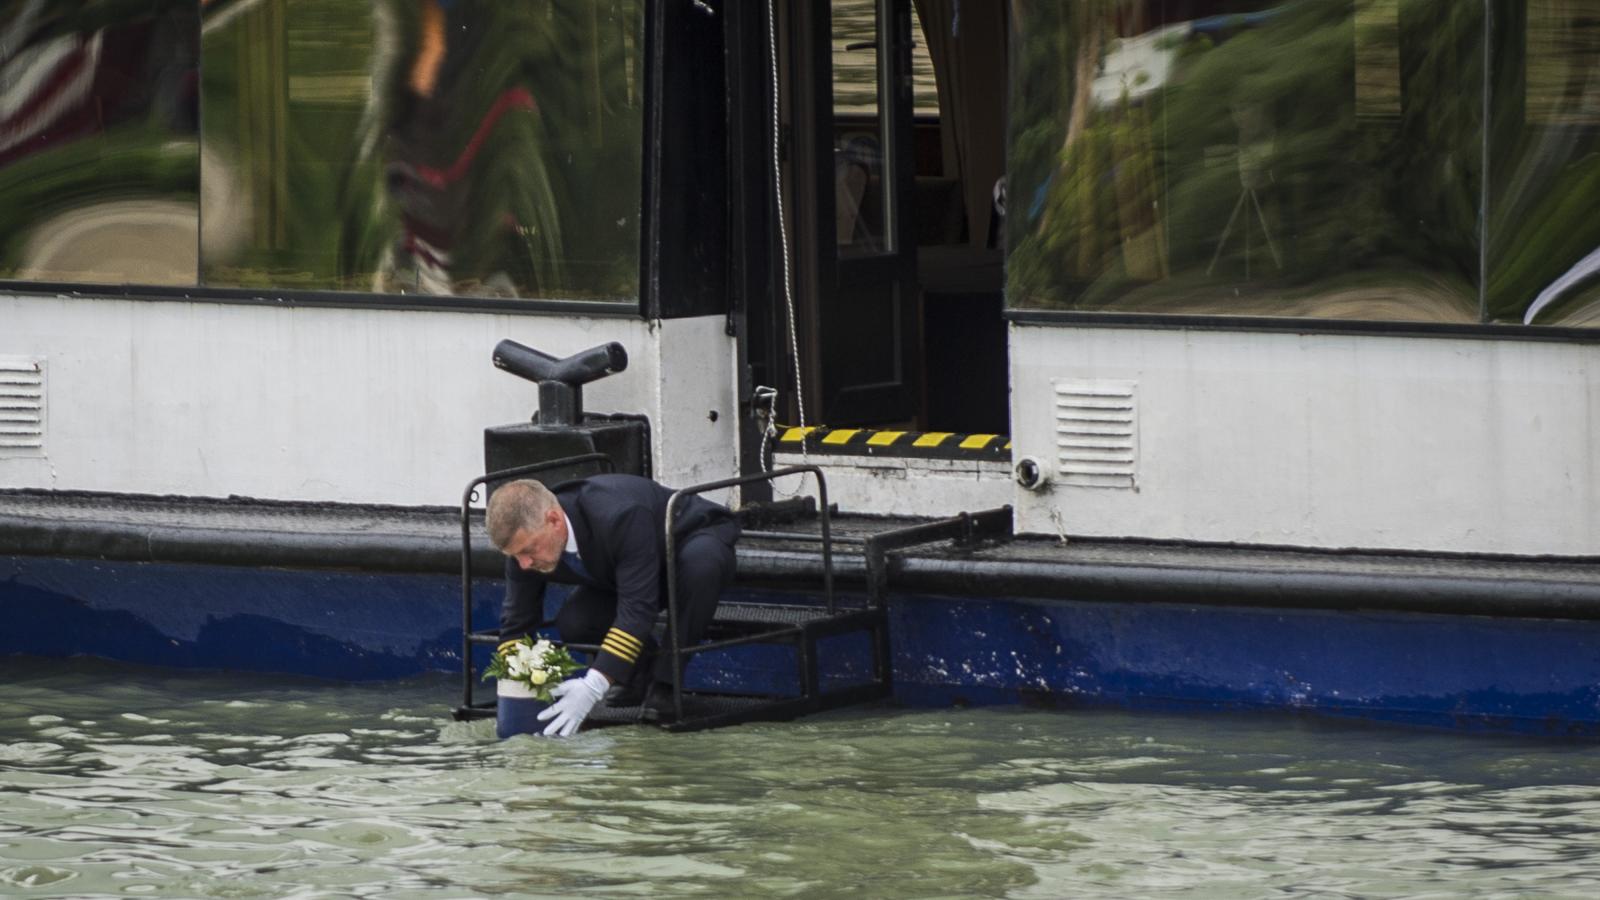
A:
{"x": 893, "y": 157}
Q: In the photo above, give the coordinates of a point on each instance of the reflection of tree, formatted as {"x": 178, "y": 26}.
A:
{"x": 263, "y": 120}
{"x": 274, "y": 160}
{"x": 1554, "y": 226}
{"x": 502, "y": 129}
{"x": 85, "y": 16}
{"x": 96, "y": 107}
{"x": 1089, "y": 24}
{"x": 1100, "y": 207}
{"x": 1344, "y": 196}
{"x": 1546, "y": 172}
{"x": 447, "y": 146}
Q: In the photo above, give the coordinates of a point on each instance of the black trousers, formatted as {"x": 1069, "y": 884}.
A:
{"x": 705, "y": 569}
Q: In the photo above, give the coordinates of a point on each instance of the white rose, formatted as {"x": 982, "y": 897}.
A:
{"x": 539, "y": 676}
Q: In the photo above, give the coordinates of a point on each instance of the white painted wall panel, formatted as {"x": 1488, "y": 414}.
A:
{"x": 208, "y": 399}
{"x": 696, "y": 434}
{"x": 900, "y": 486}
{"x": 1329, "y": 440}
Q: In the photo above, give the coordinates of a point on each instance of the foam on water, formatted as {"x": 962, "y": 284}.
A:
{"x": 120, "y": 781}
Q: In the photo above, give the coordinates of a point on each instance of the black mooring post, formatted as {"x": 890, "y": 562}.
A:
{"x": 560, "y": 381}
{"x": 560, "y": 403}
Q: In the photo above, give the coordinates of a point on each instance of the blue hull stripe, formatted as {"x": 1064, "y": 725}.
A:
{"x": 1532, "y": 676}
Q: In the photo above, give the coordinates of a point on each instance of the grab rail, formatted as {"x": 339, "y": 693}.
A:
{"x": 673, "y": 638}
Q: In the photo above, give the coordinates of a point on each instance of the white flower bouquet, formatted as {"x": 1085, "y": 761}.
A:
{"x": 537, "y": 665}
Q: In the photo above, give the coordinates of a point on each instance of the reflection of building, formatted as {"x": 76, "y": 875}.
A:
{"x": 1138, "y": 65}
{"x": 1563, "y": 53}
{"x": 1377, "y": 63}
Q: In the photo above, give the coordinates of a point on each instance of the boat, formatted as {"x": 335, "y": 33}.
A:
{"x": 1237, "y": 356}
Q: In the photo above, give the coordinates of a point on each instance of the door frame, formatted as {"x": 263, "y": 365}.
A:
{"x": 757, "y": 311}
{"x": 823, "y": 275}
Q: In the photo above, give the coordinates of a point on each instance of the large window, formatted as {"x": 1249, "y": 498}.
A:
{"x": 99, "y": 156}
{"x": 1404, "y": 160}
{"x": 1544, "y": 164}
{"x": 473, "y": 148}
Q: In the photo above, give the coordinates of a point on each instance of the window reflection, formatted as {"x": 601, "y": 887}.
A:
{"x": 99, "y": 162}
{"x": 858, "y": 130}
{"x": 1545, "y": 177}
{"x": 924, "y": 84}
{"x": 1306, "y": 158}
{"x": 445, "y": 147}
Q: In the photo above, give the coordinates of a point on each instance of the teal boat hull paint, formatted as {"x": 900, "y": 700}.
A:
{"x": 1476, "y": 673}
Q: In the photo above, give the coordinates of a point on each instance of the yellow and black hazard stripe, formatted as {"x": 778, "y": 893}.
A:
{"x": 622, "y": 645}
{"x": 882, "y": 442}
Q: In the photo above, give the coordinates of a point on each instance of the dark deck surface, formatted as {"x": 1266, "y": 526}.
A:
{"x": 428, "y": 540}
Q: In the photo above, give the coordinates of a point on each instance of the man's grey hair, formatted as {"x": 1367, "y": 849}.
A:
{"x": 517, "y": 505}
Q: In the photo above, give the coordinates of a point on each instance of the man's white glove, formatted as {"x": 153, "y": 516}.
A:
{"x": 575, "y": 697}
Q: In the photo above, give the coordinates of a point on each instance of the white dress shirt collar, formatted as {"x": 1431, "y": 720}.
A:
{"x": 572, "y": 536}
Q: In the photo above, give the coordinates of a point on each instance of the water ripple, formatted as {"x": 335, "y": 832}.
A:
{"x": 124, "y": 781}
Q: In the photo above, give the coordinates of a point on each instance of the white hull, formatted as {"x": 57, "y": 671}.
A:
{"x": 1332, "y": 440}
{"x": 1328, "y": 440}
{"x": 339, "y": 405}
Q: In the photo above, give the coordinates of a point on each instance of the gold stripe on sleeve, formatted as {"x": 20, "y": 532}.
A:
{"x": 622, "y": 644}
{"x": 619, "y": 651}
{"x": 626, "y": 638}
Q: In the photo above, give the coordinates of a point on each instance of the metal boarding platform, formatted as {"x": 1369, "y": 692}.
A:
{"x": 735, "y": 624}
{"x": 747, "y": 623}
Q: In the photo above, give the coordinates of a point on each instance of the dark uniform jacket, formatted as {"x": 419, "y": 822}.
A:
{"x": 618, "y": 521}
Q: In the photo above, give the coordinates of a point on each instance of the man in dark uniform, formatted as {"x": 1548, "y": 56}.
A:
{"x": 606, "y": 535}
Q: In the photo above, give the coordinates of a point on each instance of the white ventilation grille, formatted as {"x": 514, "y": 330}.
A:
{"x": 1097, "y": 433}
{"x": 21, "y": 407}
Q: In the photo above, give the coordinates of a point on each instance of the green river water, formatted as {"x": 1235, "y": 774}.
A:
{"x": 119, "y": 781}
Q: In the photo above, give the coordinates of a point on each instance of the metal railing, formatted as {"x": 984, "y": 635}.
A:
{"x": 675, "y": 645}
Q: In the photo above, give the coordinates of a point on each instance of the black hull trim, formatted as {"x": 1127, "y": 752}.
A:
{"x": 271, "y": 534}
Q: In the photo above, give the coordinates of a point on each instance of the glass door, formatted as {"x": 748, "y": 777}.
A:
{"x": 853, "y": 130}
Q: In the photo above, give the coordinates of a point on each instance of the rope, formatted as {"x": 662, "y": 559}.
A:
{"x": 783, "y": 242}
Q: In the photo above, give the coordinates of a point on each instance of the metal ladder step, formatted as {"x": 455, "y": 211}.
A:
{"x": 752, "y": 620}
